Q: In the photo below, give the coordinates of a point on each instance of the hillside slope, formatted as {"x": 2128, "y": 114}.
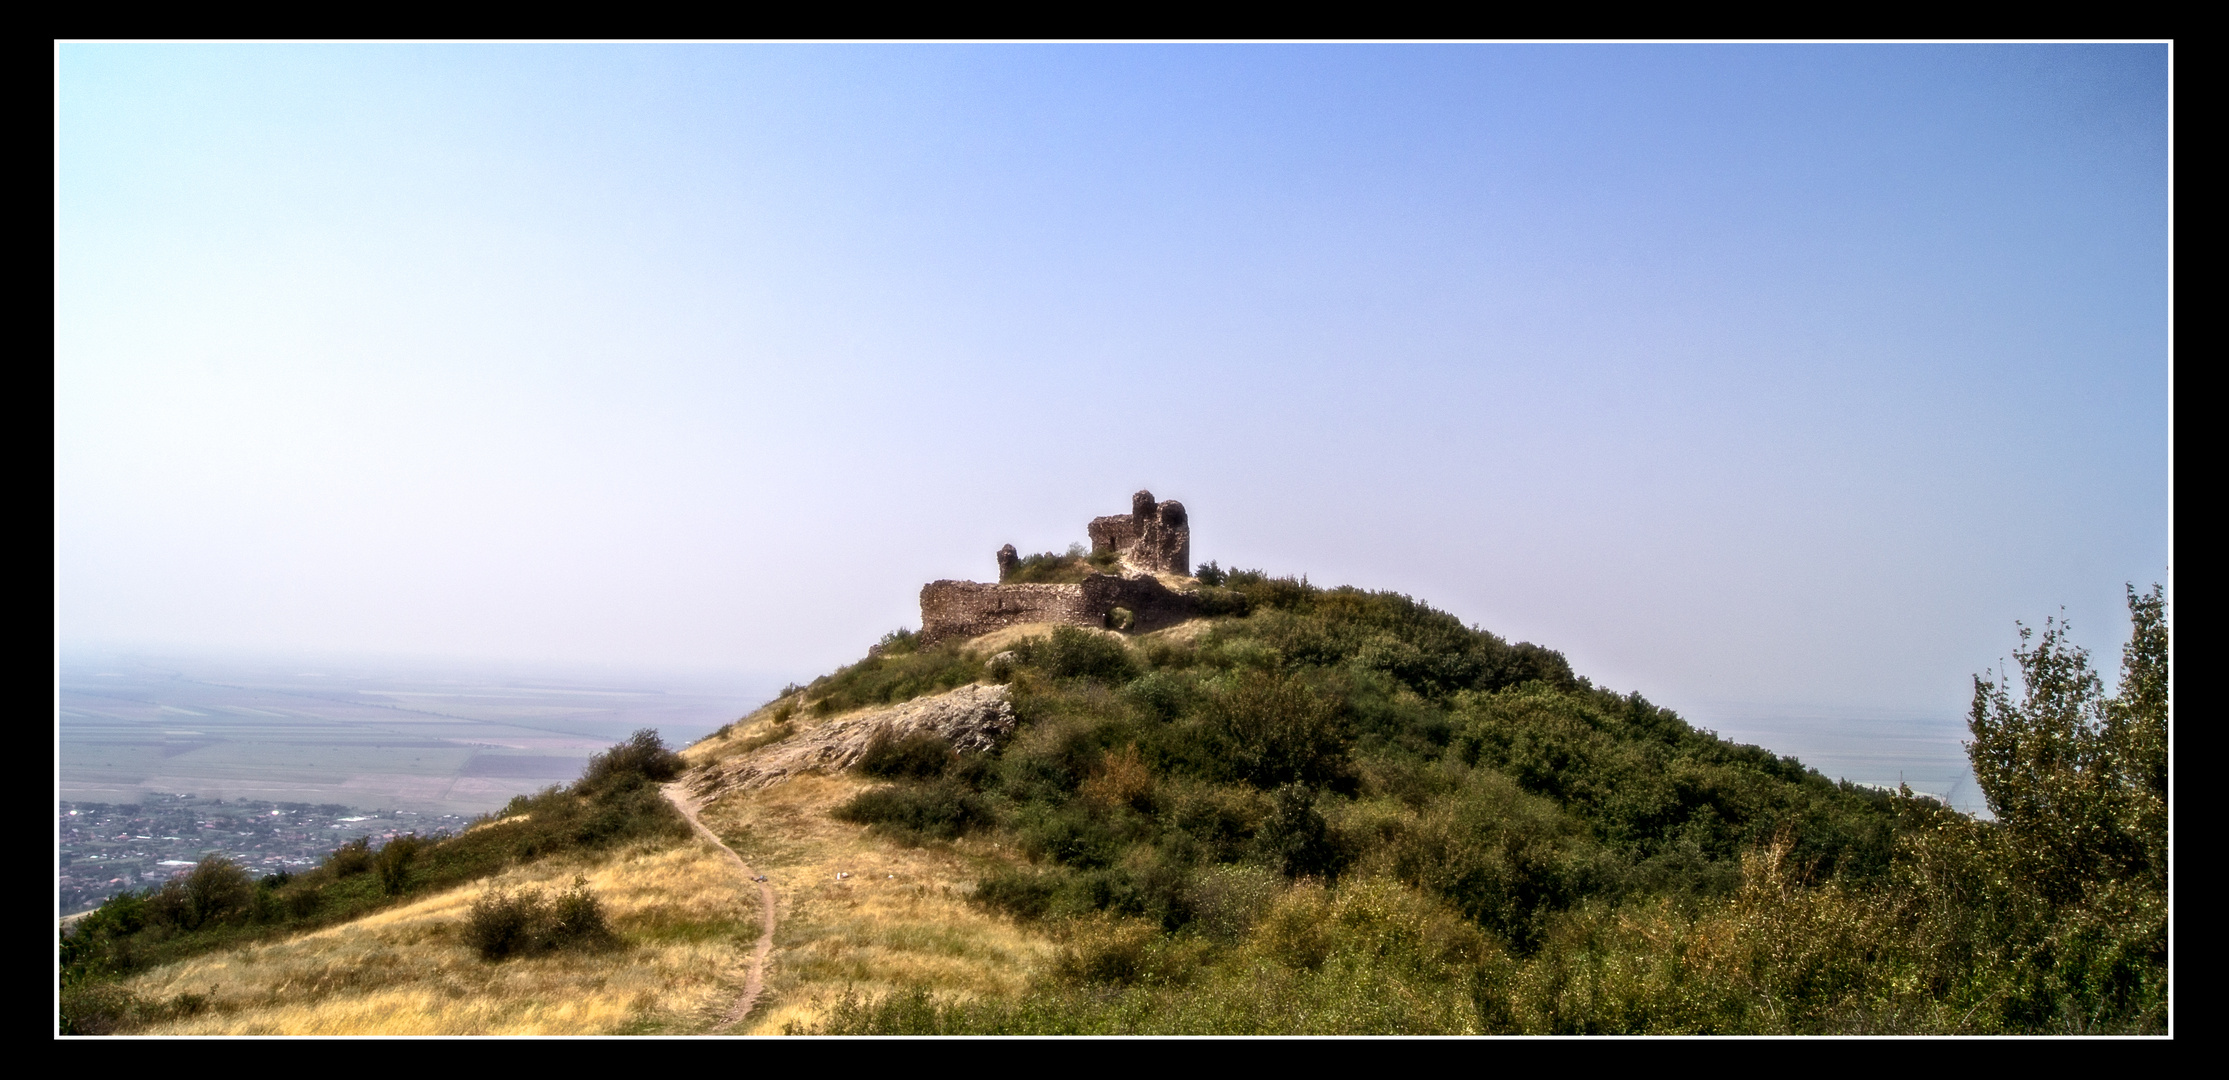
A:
{"x": 1320, "y": 810}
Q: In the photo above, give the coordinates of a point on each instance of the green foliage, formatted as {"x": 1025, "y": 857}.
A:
{"x": 1072, "y": 653}
{"x": 923, "y": 755}
{"x": 1050, "y": 569}
{"x": 889, "y": 678}
{"x": 1617, "y": 870}
{"x": 1344, "y": 811}
{"x": 1210, "y": 574}
{"x": 503, "y": 924}
{"x": 1271, "y": 730}
{"x": 642, "y": 758}
{"x": 216, "y": 889}
{"x": 1297, "y": 836}
{"x": 917, "y": 813}
{"x": 393, "y": 864}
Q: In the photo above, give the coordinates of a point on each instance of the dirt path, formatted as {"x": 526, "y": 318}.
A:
{"x": 756, "y": 981}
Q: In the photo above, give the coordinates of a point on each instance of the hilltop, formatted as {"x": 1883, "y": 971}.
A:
{"x": 1114, "y": 793}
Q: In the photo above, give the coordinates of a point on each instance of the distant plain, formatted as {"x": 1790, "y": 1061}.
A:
{"x": 365, "y": 735}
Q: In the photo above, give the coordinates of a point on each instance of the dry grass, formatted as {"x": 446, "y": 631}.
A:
{"x": 900, "y": 920}
{"x": 758, "y": 729}
{"x": 686, "y": 917}
{"x": 1009, "y": 636}
{"x": 1183, "y": 633}
{"x": 1006, "y": 637}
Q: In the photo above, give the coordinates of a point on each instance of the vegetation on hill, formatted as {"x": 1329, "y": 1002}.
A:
{"x": 1323, "y": 810}
{"x": 1050, "y": 569}
{"x": 217, "y": 905}
{"x": 1346, "y": 811}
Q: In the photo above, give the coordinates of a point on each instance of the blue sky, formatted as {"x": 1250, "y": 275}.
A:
{"x": 1753, "y": 378}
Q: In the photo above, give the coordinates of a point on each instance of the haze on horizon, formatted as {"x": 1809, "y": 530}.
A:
{"x": 1755, "y": 379}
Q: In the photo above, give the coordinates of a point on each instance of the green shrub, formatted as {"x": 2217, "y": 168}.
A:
{"x": 1297, "y": 837}
{"x": 1050, "y": 569}
{"x": 351, "y": 858}
{"x": 1073, "y": 653}
{"x": 393, "y": 863}
{"x": 922, "y": 755}
{"x": 1023, "y": 893}
{"x": 1159, "y": 695}
{"x": 643, "y": 755}
{"x": 98, "y": 1008}
{"x": 503, "y": 923}
{"x": 1275, "y": 730}
{"x": 216, "y": 889}
{"x": 916, "y": 813}
{"x": 890, "y": 679}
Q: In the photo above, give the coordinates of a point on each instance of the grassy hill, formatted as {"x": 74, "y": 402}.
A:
{"x": 1325, "y": 810}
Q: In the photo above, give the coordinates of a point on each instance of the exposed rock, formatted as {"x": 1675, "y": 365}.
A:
{"x": 971, "y": 718}
{"x": 1008, "y": 559}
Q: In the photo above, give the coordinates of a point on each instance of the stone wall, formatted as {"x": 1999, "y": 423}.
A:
{"x": 965, "y": 609}
{"x": 1152, "y": 536}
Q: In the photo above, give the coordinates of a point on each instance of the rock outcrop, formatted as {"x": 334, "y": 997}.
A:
{"x": 971, "y": 718}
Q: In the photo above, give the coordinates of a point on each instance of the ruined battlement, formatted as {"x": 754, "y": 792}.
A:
{"x": 1152, "y": 538}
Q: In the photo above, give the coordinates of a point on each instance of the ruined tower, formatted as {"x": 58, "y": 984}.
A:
{"x": 1152, "y": 536}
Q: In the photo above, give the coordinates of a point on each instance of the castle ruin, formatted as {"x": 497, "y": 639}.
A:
{"x": 1152, "y": 539}
{"x": 1152, "y": 536}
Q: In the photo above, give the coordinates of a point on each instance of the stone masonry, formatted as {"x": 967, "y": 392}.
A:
{"x": 1152, "y": 537}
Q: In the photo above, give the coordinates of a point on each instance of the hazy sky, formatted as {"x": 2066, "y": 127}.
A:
{"x": 1750, "y": 377}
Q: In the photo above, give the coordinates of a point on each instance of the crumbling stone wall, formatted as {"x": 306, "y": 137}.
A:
{"x": 1153, "y": 536}
{"x": 965, "y": 609}
{"x": 1151, "y": 605}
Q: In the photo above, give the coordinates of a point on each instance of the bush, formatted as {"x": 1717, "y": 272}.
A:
{"x": 214, "y": 890}
{"x": 98, "y": 1008}
{"x": 1074, "y": 653}
{"x": 393, "y": 863}
{"x": 1275, "y": 730}
{"x": 643, "y": 755}
{"x": 1298, "y": 838}
{"x": 1209, "y": 574}
{"x": 1022, "y": 893}
{"x": 1159, "y": 695}
{"x": 916, "y": 813}
{"x": 923, "y": 755}
{"x": 1050, "y": 569}
{"x": 892, "y": 678}
{"x": 504, "y": 923}
{"x": 351, "y": 858}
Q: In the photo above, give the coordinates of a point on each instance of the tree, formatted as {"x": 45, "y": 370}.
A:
{"x": 2077, "y": 780}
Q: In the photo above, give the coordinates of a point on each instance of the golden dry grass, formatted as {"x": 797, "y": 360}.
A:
{"x": 687, "y": 918}
{"x": 900, "y": 920}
